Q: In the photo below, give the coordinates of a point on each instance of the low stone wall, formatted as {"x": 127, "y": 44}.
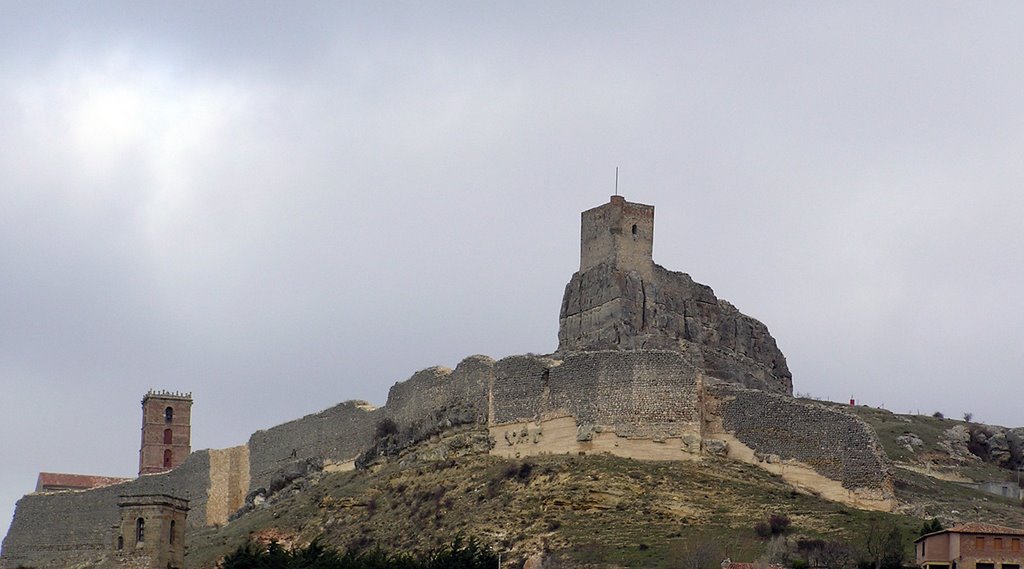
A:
{"x": 335, "y": 434}
{"x": 832, "y": 442}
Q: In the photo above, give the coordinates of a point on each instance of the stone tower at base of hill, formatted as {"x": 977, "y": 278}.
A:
{"x": 151, "y": 533}
{"x": 166, "y": 431}
{"x": 620, "y": 299}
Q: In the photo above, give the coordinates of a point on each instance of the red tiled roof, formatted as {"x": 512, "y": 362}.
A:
{"x": 62, "y": 481}
{"x": 985, "y": 528}
{"x": 974, "y": 527}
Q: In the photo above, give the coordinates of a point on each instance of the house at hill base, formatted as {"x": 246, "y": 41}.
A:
{"x": 971, "y": 546}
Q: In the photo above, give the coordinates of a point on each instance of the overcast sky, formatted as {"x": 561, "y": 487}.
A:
{"x": 281, "y": 206}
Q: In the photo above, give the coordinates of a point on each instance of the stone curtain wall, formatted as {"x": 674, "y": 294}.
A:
{"x": 438, "y": 389}
{"x": 337, "y": 434}
{"x": 651, "y": 394}
{"x": 834, "y": 443}
{"x": 229, "y": 483}
{"x": 518, "y": 393}
{"x": 61, "y": 529}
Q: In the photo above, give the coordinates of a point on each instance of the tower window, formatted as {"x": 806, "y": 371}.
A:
{"x": 167, "y": 436}
{"x": 140, "y": 530}
{"x": 168, "y": 415}
{"x": 168, "y": 455}
{"x": 171, "y": 539}
{"x": 120, "y": 542}
{"x": 634, "y": 230}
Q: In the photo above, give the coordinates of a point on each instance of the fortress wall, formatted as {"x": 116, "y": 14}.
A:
{"x": 60, "y": 529}
{"x": 518, "y": 390}
{"x": 832, "y": 442}
{"x": 645, "y": 394}
{"x": 424, "y": 392}
{"x": 336, "y": 434}
{"x": 229, "y": 483}
{"x": 472, "y": 380}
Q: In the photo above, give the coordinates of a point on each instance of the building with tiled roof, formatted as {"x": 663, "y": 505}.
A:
{"x": 58, "y": 481}
{"x": 971, "y": 546}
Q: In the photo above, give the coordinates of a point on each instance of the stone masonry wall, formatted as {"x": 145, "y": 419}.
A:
{"x": 437, "y": 389}
{"x": 57, "y": 530}
{"x": 518, "y": 393}
{"x": 834, "y": 443}
{"x": 338, "y": 433}
{"x": 650, "y": 394}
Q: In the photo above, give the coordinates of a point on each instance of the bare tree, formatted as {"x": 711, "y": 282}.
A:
{"x": 700, "y": 554}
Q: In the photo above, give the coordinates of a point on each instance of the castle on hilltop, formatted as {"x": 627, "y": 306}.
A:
{"x": 650, "y": 365}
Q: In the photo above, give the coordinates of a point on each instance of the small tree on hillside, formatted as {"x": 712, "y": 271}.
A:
{"x": 931, "y": 526}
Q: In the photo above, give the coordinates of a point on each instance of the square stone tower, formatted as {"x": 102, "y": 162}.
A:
{"x": 166, "y": 431}
{"x": 620, "y": 234}
{"x": 151, "y": 534}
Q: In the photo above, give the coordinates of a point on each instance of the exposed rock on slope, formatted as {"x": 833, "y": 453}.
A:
{"x": 608, "y": 308}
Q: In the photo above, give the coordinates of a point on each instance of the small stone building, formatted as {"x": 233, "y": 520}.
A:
{"x": 971, "y": 546}
{"x": 151, "y": 534}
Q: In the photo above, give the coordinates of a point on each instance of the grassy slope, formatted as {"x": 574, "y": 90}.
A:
{"x": 586, "y": 509}
{"x": 602, "y": 510}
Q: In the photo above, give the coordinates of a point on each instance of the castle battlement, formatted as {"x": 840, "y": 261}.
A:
{"x": 164, "y": 394}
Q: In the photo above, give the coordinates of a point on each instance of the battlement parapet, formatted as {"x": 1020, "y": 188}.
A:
{"x": 164, "y": 394}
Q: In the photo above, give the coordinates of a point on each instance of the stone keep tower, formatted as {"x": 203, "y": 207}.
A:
{"x": 620, "y": 234}
{"x": 151, "y": 534}
{"x": 166, "y": 431}
{"x": 620, "y": 299}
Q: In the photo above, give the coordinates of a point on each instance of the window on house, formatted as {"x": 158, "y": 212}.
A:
{"x": 1015, "y": 544}
{"x": 168, "y": 455}
{"x": 984, "y": 566}
{"x": 140, "y": 530}
{"x": 997, "y": 542}
{"x": 167, "y": 436}
{"x": 1010, "y": 566}
{"x": 979, "y": 542}
{"x": 171, "y": 539}
{"x": 922, "y": 549}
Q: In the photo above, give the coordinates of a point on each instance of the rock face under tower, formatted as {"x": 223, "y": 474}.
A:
{"x": 621, "y": 300}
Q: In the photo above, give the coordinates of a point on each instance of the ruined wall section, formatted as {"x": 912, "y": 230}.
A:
{"x": 641, "y": 395}
{"x": 335, "y": 434}
{"x": 608, "y": 308}
{"x": 519, "y": 389}
{"x": 61, "y": 529}
{"x": 438, "y": 397}
{"x": 832, "y": 442}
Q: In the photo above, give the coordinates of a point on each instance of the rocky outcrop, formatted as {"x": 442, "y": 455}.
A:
{"x": 972, "y": 442}
{"x": 608, "y": 308}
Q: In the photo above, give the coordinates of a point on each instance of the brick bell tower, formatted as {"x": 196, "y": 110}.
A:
{"x": 166, "y": 431}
